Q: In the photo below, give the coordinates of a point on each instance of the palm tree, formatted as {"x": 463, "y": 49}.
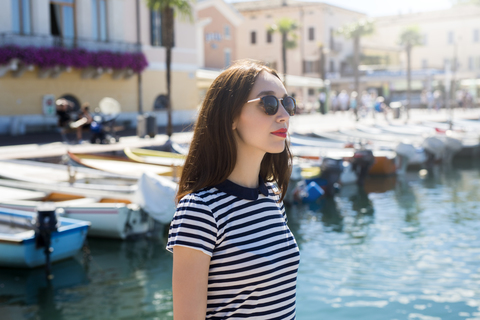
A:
{"x": 409, "y": 38}
{"x": 167, "y": 9}
{"x": 355, "y": 31}
{"x": 286, "y": 27}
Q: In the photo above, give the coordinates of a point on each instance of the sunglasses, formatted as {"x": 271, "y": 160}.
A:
{"x": 271, "y": 103}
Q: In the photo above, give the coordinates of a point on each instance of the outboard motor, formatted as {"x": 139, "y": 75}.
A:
{"x": 45, "y": 224}
{"x": 405, "y": 152}
{"x": 434, "y": 148}
{"x": 452, "y": 147}
{"x": 330, "y": 171}
{"x": 362, "y": 162}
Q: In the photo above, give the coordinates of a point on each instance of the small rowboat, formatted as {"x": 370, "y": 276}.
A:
{"x": 385, "y": 161}
{"x": 118, "y": 165}
{"x": 18, "y": 243}
{"x": 162, "y": 158}
{"x": 66, "y": 176}
{"x": 172, "y": 160}
{"x": 111, "y": 215}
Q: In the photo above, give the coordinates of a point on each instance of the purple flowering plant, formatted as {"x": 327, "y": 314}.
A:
{"x": 77, "y": 58}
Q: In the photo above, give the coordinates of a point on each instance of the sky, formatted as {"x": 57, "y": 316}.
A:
{"x": 375, "y": 8}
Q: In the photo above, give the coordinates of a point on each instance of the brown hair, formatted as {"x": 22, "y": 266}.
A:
{"x": 213, "y": 151}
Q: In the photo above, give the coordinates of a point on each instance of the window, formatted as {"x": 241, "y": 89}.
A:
{"x": 269, "y": 37}
{"x": 160, "y": 102}
{"x": 227, "y": 32}
{"x": 478, "y": 63}
{"x": 156, "y": 37}
{"x": 253, "y": 37}
{"x": 62, "y": 18}
{"x": 424, "y": 39}
{"x": 311, "y": 33}
{"x": 21, "y": 16}
{"x": 311, "y": 91}
{"x": 476, "y": 35}
{"x": 332, "y": 66}
{"x": 99, "y": 19}
{"x": 450, "y": 37}
{"x": 310, "y": 66}
{"x": 332, "y": 39}
{"x": 155, "y": 28}
{"x": 471, "y": 66}
{"x": 228, "y": 57}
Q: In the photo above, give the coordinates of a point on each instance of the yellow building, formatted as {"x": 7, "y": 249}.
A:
{"x": 123, "y": 27}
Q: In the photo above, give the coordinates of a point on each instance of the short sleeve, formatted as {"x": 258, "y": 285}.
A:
{"x": 193, "y": 226}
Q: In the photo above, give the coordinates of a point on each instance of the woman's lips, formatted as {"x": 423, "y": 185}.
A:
{"x": 280, "y": 133}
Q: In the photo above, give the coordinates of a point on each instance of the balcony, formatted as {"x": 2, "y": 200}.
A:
{"x": 53, "y": 55}
{"x": 68, "y": 43}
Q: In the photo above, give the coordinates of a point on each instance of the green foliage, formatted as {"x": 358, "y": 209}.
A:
{"x": 286, "y": 26}
{"x": 183, "y": 7}
{"x": 357, "y": 29}
{"x": 411, "y": 37}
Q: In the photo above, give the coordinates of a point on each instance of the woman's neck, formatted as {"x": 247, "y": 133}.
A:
{"x": 247, "y": 169}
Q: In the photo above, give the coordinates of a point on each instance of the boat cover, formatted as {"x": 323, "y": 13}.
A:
{"x": 156, "y": 196}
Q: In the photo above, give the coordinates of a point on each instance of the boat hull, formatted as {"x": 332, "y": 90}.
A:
{"x": 19, "y": 250}
{"x": 108, "y": 220}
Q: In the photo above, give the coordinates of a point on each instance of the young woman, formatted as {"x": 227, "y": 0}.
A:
{"x": 234, "y": 256}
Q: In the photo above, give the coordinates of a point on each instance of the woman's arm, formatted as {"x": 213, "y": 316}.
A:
{"x": 189, "y": 283}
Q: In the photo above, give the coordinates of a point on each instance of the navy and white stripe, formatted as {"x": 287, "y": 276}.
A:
{"x": 254, "y": 256}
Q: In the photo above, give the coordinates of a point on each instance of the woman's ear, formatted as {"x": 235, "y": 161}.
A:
{"x": 234, "y": 125}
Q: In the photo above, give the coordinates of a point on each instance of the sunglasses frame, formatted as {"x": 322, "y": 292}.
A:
{"x": 278, "y": 104}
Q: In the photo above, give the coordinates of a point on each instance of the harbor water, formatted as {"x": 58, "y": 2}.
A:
{"x": 399, "y": 248}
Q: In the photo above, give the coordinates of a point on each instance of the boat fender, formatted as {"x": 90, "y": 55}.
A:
{"x": 46, "y": 223}
{"x": 313, "y": 192}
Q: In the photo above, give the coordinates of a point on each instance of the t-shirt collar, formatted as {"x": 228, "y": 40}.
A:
{"x": 236, "y": 190}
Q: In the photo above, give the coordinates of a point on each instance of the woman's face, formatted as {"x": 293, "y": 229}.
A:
{"x": 257, "y": 133}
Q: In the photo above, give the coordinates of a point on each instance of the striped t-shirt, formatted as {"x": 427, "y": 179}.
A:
{"x": 254, "y": 256}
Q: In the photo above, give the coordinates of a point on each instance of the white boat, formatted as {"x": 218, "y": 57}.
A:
{"x": 112, "y": 214}
{"x": 67, "y": 176}
{"x": 18, "y": 243}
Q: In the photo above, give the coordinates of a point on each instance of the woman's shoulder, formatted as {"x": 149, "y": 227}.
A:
{"x": 202, "y": 196}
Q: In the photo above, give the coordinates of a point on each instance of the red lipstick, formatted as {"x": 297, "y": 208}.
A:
{"x": 280, "y": 133}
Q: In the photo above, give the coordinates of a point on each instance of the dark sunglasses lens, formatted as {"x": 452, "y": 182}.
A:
{"x": 270, "y": 104}
{"x": 290, "y": 105}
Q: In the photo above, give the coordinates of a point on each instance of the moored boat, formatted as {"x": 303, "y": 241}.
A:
{"x": 118, "y": 165}
{"x": 110, "y": 215}
{"x": 19, "y": 241}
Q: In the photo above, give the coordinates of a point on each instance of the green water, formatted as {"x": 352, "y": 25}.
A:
{"x": 404, "y": 248}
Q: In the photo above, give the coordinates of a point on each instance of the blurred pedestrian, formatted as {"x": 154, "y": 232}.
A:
{"x": 84, "y": 120}
{"x": 233, "y": 253}
{"x": 343, "y": 100}
{"x": 63, "y": 109}
{"x": 333, "y": 101}
{"x": 437, "y": 96}
{"x": 353, "y": 104}
{"x": 430, "y": 100}
{"x": 322, "y": 97}
{"x": 459, "y": 95}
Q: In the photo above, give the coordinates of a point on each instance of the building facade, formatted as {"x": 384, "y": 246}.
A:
{"x": 450, "y": 51}
{"x": 125, "y": 29}
{"x": 219, "y": 35}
